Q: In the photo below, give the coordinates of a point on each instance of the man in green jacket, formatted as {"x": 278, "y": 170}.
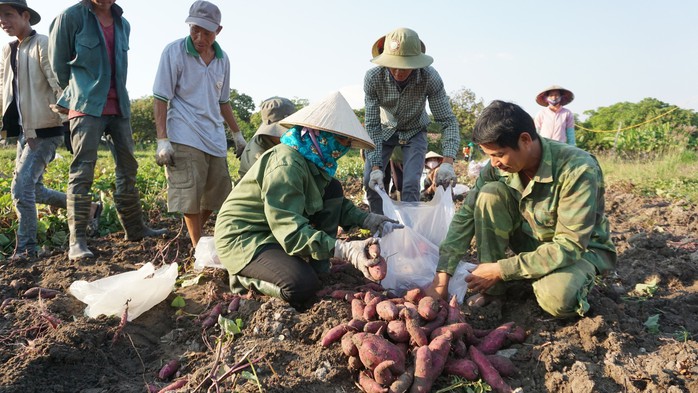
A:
{"x": 542, "y": 199}
{"x": 278, "y": 227}
{"x": 88, "y": 46}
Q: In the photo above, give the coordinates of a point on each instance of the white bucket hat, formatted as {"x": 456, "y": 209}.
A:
{"x": 332, "y": 114}
{"x": 401, "y": 48}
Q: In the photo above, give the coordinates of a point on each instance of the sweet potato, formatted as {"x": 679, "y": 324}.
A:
{"x": 403, "y": 382}
{"x": 356, "y": 325}
{"x": 379, "y": 270}
{"x": 369, "y": 385}
{"x": 412, "y": 325}
{"x": 454, "y": 314}
{"x": 234, "y": 304}
{"x": 517, "y": 335}
{"x": 494, "y": 341}
{"x": 480, "y": 333}
{"x": 397, "y": 331}
{"x": 212, "y": 317}
{"x": 459, "y": 330}
{"x": 357, "y": 309}
{"x": 440, "y": 346}
{"x": 169, "y": 369}
{"x": 464, "y": 368}
{"x": 374, "y": 350}
{"x": 371, "y": 286}
{"x": 375, "y": 326}
{"x": 488, "y": 372}
{"x": 44, "y": 293}
{"x": 502, "y": 364}
{"x": 355, "y": 363}
{"x": 423, "y": 370}
{"x": 374, "y": 250}
{"x": 382, "y": 373}
{"x": 348, "y": 346}
{"x": 428, "y": 308}
{"x": 414, "y": 295}
{"x": 459, "y": 349}
{"x": 387, "y": 310}
{"x": 436, "y": 322}
{"x": 370, "y": 309}
{"x": 333, "y": 335}
{"x": 178, "y": 384}
{"x": 342, "y": 294}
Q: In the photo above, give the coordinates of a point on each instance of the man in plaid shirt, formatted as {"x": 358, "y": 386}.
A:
{"x": 396, "y": 94}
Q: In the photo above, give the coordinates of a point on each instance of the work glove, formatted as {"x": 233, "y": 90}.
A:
{"x": 376, "y": 179}
{"x": 446, "y": 176}
{"x": 165, "y": 153}
{"x": 363, "y": 255}
{"x": 239, "y": 143}
{"x": 380, "y": 225}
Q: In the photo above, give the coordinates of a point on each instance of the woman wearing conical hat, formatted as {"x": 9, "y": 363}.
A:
{"x": 276, "y": 230}
{"x": 555, "y": 121}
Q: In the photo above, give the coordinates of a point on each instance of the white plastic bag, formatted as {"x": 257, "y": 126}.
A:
{"x": 142, "y": 288}
{"x": 413, "y": 252}
{"x": 205, "y": 254}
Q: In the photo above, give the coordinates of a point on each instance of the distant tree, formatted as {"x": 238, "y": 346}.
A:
{"x": 649, "y": 126}
{"x": 142, "y": 120}
{"x": 360, "y": 114}
{"x": 300, "y": 102}
{"x": 243, "y": 105}
{"x": 467, "y": 107}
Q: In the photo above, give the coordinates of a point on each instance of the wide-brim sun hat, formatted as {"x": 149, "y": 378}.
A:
{"x": 432, "y": 154}
{"x": 273, "y": 110}
{"x": 333, "y": 114}
{"x": 402, "y": 49}
{"x": 34, "y": 16}
{"x": 566, "y": 96}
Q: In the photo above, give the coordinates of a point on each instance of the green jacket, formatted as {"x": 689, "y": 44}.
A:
{"x": 254, "y": 149}
{"x": 562, "y": 207}
{"x": 79, "y": 58}
{"x": 272, "y": 204}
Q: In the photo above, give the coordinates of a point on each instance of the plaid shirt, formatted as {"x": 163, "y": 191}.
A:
{"x": 390, "y": 108}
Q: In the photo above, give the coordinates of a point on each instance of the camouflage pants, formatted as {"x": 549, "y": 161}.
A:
{"x": 498, "y": 226}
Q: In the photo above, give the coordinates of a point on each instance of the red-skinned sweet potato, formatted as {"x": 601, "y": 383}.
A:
{"x": 374, "y": 350}
{"x": 423, "y": 370}
{"x": 502, "y": 364}
{"x": 488, "y": 372}
{"x": 357, "y": 309}
{"x": 517, "y": 335}
{"x": 412, "y": 325}
{"x": 333, "y": 335}
{"x": 370, "y": 309}
{"x": 397, "y": 331}
{"x": 454, "y": 314}
{"x": 382, "y": 373}
{"x": 494, "y": 341}
{"x": 379, "y": 270}
{"x": 464, "y": 368}
{"x": 414, "y": 295}
{"x": 428, "y": 308}
{"x": 387, "y": 310}
{"x": 459, "y": 349}
{"x": 43, "y": 293}
{"x": 375, "y": 326}
{"x": 348, "y": 346}
{"x": 174, "y": 385}
{"x": 403, "y": 382}
{"x": 369, "y": 385}
{"x": 342, "y": 294}
{"x": 355, "y": 363}
{"x": 356, "y": 325}
{"x": 436, "y": 322}
{"x": 459, "y": 330}
{"x": 440, "y": 347}
{"x": 169, "y": 369}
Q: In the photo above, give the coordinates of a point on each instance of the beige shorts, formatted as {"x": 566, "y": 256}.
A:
{"x": 197, "y": 182}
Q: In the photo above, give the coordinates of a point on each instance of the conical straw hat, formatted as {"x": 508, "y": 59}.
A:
{"x": 332, "y": 114}
{"x": 566, "y": 96}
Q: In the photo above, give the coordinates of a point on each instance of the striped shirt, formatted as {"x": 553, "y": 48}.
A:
{"x": 391, "y": 108}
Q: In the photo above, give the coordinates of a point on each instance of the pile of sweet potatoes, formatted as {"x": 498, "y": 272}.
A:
{"x": 402, "y": 344}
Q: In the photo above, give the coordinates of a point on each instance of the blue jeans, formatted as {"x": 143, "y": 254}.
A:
{"x": 28, "y": 188}
{"x": 86, "y": 132}
{"x": 413, "y": 153}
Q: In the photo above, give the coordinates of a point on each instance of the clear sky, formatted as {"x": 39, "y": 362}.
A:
{"x": 604, "y": 51}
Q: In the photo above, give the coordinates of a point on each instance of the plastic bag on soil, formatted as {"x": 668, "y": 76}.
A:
{"x": 205, "y": 254}
{"x": 413, "y": 252}
{"x": 142, "y": 288}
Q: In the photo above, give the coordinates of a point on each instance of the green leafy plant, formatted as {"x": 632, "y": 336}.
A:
{"x": 652, "y": 324}
{"x": 462, "y": 385}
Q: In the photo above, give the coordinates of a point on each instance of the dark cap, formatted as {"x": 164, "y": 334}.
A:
{"x": 34, "y": 17}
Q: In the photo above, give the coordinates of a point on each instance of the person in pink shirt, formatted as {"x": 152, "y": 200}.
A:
{"x": 555, "y": 122}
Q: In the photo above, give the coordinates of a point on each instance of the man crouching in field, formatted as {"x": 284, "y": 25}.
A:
{"x": 542, "y": 199}
{"x": 194, "y": 79}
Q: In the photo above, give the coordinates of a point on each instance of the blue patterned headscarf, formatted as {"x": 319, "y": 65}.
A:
{"x": 320, "y": 147}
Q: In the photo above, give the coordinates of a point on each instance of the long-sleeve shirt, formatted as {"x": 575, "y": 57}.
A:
{"x": 554, "y": 125}
{"x": 562, "y": 207}
{"x": 272, "y": 204}
{"x": 391, "y": 108}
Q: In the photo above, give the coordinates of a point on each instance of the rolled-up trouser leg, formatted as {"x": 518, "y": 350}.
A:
{"x": 289, "y": 278}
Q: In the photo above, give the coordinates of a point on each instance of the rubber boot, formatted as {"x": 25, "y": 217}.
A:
{"x": 78, "y": 217}
{"x": 128, "y": 207}
{"x": 255, "y": 284}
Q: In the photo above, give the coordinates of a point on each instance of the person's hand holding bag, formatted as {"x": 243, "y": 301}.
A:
{"x": 380, "y": 225}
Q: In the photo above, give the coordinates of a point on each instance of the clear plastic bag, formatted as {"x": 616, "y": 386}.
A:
{"x": 205, "y": 254}
{"x": 142, "y": 288}
{"x": 413, "y": 252}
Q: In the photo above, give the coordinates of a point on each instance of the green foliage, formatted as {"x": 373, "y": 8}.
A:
{"x": 467, "y": 108}
{"x": 462, "y": 385}
{"x": 652, "y": 324}
{"x": 666, "y": 127}
{"x": 143, "y": 119}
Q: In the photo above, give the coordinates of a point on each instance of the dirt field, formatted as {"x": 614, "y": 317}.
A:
{"x": 610, "y": 350}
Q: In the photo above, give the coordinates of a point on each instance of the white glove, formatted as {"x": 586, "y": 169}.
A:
{"x": 380, "y": 225}
{"x": 446, "y": 176}
{"x": 376, "y": 179}
{"x": 165, "y": 153}
{"x": 373, "y": 267}
{"x": 240, "y": 143}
